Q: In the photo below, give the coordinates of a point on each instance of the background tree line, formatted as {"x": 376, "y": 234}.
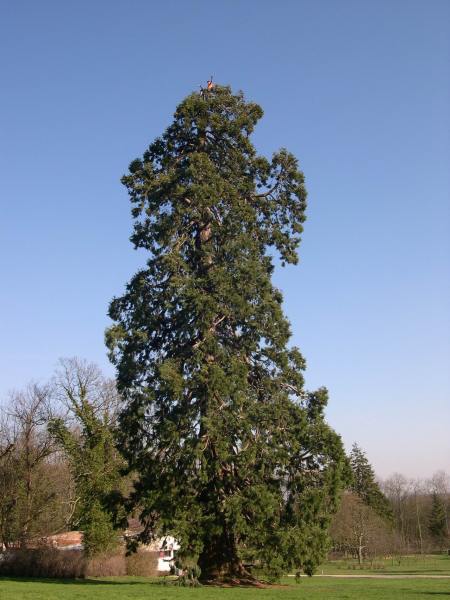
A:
{"x": 59, "y": 467}
{"x": 392, "y": 516}
{"x": 60, "y": 471}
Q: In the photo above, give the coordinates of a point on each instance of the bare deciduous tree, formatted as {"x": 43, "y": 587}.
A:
{"x": 360, "y": 531}
{"x": 31, "y": 499}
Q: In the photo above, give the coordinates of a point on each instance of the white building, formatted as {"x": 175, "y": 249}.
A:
{"x": 167, "y": 548}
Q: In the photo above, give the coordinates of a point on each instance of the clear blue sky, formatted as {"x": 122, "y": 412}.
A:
{"x": 358, "y": 90}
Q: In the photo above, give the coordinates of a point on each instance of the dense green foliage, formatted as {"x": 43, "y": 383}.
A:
{"x": 438, "y": 522}
{"x": 232, "y": 453}
{"x": 88, "y": 439}
{"x": 365, "y": 485}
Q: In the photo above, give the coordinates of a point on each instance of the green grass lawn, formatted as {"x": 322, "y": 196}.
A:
{"x": 140, "y": 589}
{"x": 136, "y": 588}
{"x": 408, "y": 565}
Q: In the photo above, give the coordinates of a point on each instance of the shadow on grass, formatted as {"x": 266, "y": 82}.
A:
{"x": 427, "y": 593}
{"x": 87, "y": 581}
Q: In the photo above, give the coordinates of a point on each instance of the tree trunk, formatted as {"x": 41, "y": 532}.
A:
{"x": 419, "y": 526}
{"x": 219, "y": 561}
{"x": 360, "y": 552}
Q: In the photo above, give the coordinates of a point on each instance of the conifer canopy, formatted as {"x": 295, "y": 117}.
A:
{"x": 233, "y": 457}
{"x": 365, "y": 485}
{"x": 437, "y": 525}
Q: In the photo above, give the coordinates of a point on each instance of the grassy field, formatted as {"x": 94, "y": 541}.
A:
{"x": 407, "y": 565}
{"x": 135, "y": 588}
{"x": 310, "y": 589}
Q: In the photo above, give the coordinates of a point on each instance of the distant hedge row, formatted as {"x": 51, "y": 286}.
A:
{"x": 51, "y": 563}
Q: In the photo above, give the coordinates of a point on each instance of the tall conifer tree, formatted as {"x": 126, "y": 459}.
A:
{"x": 365, "y": 484}
{"x": 232, "y": 454}
{"x": 437, "y": 525}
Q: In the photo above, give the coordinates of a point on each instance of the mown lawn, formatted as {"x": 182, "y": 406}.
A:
{"x": 407, "y": 565}
{"x": 139, "y": 589}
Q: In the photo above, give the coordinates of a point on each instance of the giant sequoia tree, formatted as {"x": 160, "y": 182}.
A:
{"x": 232, "y": 454}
